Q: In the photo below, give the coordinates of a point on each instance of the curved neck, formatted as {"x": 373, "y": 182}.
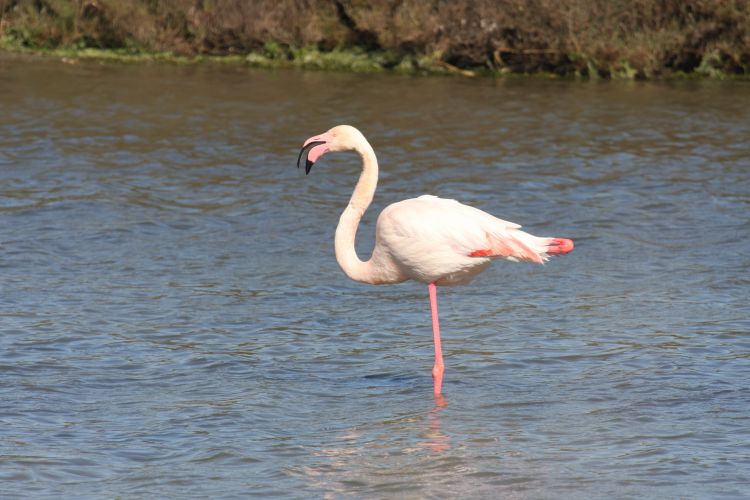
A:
{"x": 346, "y": 231}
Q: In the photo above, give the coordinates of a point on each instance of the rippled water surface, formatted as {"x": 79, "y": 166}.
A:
{"x": 173, "y": 322}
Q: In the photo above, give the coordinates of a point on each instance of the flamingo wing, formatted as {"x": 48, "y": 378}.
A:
{"x": 431, "y": 237}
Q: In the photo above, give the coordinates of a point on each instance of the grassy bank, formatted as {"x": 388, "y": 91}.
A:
{"x": 585, "y": 38}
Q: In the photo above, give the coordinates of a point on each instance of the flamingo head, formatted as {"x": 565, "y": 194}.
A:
{"x": 340, "y": 138}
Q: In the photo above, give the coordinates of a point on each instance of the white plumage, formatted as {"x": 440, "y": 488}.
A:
{"x": 427, "y": 239}
{"x": 431, "y": 239}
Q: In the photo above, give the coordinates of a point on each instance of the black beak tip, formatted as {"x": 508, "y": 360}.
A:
{"x": 308, "y": 166}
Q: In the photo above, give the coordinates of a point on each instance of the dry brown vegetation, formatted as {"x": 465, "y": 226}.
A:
{"x": 605, "y": 38}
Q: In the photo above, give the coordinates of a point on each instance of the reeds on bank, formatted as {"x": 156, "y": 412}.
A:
{"x": 589, "y": 38}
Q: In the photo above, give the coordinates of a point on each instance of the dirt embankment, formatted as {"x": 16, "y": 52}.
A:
{"x": 594, "y": 38}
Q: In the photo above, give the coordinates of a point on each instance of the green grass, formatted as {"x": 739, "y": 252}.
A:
{"x": 271, "y": 57}
{"x": 344, "y": 60}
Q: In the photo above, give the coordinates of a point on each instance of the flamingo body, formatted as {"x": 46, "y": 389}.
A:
{"x": 427, "y": 239}
{"x": 441, "y": 241}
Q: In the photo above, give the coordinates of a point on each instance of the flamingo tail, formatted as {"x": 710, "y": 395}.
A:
{"x": 559, "y": 246}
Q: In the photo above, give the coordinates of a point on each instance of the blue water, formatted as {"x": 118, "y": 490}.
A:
{"x": 173, "y": 322}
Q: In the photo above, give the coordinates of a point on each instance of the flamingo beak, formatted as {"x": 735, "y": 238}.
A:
{"x": 305, "y": 153}
{"x": 314, "y": 148}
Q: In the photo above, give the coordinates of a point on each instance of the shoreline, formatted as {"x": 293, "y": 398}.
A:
{"x": 344, "y": 60}
{"x": 579, "y": 39}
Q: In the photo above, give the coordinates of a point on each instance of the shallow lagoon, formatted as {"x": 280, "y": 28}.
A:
{"x": 173, "y": 321}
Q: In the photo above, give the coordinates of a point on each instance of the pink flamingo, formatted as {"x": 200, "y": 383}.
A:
{"x": 427, "y": 239}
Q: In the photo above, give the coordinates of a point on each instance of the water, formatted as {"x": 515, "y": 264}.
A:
{"x": 173, "y": 322}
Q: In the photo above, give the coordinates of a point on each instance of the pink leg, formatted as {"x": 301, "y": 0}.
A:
{"x": 437, "y": 369}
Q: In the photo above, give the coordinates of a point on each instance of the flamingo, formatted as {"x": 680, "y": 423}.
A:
{"x": 435, "y": 241}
